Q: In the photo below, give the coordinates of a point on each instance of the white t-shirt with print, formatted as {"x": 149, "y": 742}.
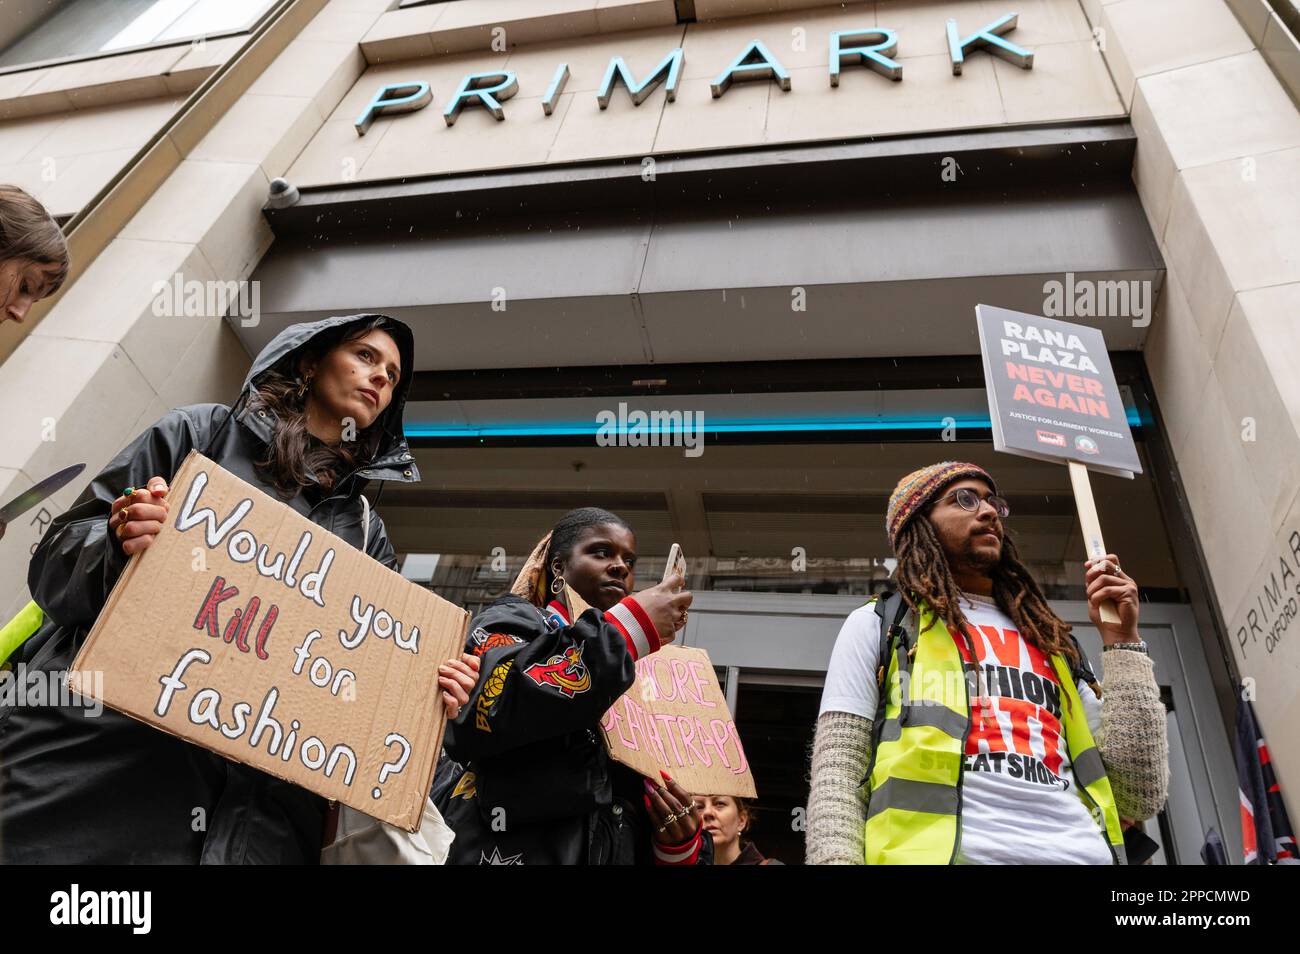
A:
{"x": 1019, "y": 804}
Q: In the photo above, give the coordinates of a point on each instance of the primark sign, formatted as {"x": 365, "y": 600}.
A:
{"x": 874, "y": 48}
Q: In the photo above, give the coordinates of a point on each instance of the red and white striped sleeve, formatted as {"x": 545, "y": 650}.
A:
{"x": 687, "y": 853}
{"x": 638, "y": 631}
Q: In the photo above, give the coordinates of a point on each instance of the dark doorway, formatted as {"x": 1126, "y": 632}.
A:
{"x": 776, "y": 725}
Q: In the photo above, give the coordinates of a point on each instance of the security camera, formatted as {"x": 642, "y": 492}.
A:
{"x": 282, "y": 194}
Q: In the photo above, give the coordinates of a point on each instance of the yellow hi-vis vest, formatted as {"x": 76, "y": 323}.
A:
{"x": 20, "y": 629}
{"x": 914, "y": 813}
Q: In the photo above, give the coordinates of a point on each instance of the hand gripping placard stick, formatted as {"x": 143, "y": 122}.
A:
{"x": 1091, "y": 527}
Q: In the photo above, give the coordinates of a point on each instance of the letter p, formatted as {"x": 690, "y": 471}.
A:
{"x": 394, "y": 98}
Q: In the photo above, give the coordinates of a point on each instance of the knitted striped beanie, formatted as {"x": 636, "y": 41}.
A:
{"x": 920, "y": 486}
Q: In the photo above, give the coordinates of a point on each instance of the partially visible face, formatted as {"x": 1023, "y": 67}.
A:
{"x": 722, "y": 818}
{"x": 970, "y": 540}
{"x": 357, "y": 378}
{"x": 22, "y": 284}
{"x": 601, "y": 568}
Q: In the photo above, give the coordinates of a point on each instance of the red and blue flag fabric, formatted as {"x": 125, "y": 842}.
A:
{"x": 1266, "y": 833}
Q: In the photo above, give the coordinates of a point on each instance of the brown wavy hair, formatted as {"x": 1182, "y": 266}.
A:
{"x": 922, "y": 574}
{"x": 28, "y": 231}
{"x": 293, "y": 455}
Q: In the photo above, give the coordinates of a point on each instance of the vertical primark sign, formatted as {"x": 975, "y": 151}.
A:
{"x": 873, "y": 47}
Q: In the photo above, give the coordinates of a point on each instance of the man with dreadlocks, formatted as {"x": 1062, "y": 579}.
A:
{"x": 960, "y": 722}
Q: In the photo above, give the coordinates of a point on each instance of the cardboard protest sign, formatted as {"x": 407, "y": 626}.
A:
{"x": 1052, "y": 392}
{"x": 675, "y": 718}
{"x": 249, "y": 630}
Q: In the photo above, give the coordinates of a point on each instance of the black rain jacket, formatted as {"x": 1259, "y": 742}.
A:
{"x": 77, "y": 788}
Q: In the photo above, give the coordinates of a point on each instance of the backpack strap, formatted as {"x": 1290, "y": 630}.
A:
{"x": 1081, "y": 671}
{"x": 892, "y": 609}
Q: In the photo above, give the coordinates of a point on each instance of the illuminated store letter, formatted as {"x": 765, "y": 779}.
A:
{"x": 556, "y": 89}
{"x": 756, "y": 63}
{"x": 989, "y": 37}
{"x": 485, "y": 89}
{"x": 671, "y": 67}
{"x": 394, "y": 98}
{"x": 876, "y": 56}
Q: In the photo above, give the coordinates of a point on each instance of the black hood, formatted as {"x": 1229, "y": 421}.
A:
{"x": 392, "y": 458}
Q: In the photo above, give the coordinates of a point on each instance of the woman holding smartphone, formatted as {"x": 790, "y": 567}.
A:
{"x": 537, "y": 786}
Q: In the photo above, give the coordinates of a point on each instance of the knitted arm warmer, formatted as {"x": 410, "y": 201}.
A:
{"x": 1134, "y": 740}
{"x": 837, "y": 804}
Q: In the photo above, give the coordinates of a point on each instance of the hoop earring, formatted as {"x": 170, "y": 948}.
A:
{"x": 557, "y": 585}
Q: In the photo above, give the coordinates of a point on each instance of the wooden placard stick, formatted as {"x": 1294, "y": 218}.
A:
{"x": 1092, "y": 542}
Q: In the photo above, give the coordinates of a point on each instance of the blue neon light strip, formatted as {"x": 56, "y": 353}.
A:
{"x": 759, "y": 426}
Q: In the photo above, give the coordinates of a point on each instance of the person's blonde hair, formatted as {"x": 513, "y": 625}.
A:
{"x": 28, "y": 231}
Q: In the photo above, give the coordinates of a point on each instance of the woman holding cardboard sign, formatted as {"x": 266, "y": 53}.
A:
{"x": 319, "y": 417}
{"x": 538, "y": 786}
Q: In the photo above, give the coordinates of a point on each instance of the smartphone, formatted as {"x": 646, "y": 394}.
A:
{"x": 676, "y": 563}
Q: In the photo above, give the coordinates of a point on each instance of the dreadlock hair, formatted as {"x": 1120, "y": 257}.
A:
{"x": 565, "y": 534}
{"x": 923, "y": 574}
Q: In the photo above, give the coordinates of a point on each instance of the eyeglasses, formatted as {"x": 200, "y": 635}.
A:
{"x": 969, "y": 500}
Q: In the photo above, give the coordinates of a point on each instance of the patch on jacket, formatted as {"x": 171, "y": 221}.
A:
{"x": 483, "y": 640}
{"x": 487, "y": 700}
{"x": 496, "y": 858}
{"x": 566, "y": 673}
{"x": 466, "y": 788}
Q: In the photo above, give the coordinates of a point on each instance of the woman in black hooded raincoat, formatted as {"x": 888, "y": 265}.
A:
{"x": 83, "y": 788}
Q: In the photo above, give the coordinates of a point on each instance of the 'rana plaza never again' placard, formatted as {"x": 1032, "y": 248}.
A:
{"x": 1052, "y": 393}
{"x": 1053, "y": 396}
{"x": 250, "y": 630}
